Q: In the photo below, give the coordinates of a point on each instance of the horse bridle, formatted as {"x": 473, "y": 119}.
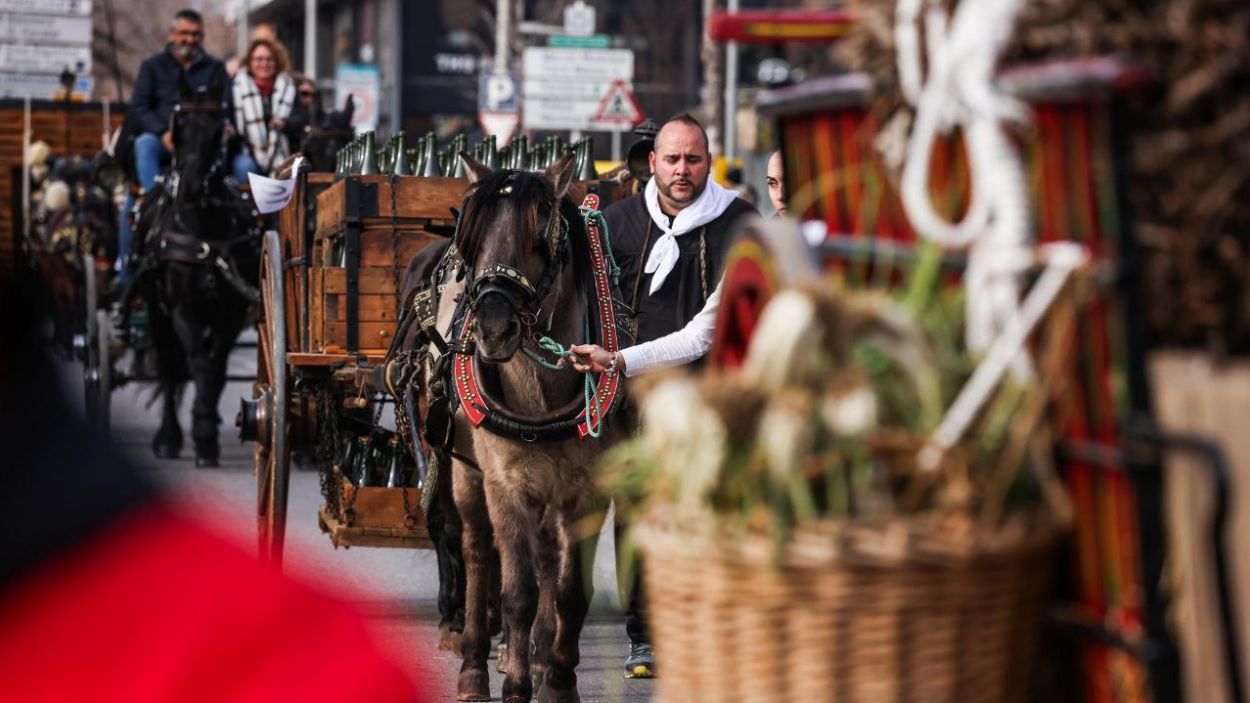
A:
{"x": 524, "y": 298}
{"x": 176, "y": 178}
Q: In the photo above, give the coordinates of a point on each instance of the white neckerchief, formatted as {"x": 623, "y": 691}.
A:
{"x": 709, "y": 206}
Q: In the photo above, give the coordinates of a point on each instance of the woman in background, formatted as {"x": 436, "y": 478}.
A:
{"x": 264, "y": 96}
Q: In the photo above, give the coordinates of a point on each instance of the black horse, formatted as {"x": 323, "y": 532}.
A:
{"x": 198, "y": 271}
{"x": 329, "y": 132}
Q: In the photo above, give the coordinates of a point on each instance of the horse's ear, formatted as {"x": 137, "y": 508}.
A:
{"x": 185, "y": 91}
{"x": 476, "y": 170}
{"x": 317, "y": 113}
{"x": 561, "y": 173}
{"x": 349, "y": 108}
{"x": 217, "y": 88}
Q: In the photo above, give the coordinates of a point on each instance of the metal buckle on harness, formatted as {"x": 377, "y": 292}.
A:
{"x": 204, "y": 252}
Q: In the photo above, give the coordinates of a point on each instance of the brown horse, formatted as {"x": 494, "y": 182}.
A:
{"x": 521, "y": 476}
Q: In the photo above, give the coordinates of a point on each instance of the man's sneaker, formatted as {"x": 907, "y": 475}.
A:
{"x": 640, "y": 664}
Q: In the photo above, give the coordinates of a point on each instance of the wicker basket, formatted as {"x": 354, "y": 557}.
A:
{"x": 853, "y": 613}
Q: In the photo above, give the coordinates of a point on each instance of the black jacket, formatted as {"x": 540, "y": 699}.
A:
{"x": 682, "y": 295}
{"x": 157, "y": 91}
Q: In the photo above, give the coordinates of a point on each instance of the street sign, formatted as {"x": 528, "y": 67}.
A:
{"x": 579, "y": 19}
{"x": 555, "y": 64}
{"x": 44, "y": 28}
{"x": 563, "y": 88}
{"x": 362, "y": 82}
{"x": 81, "y": 8}
{"x": 595, "y": 41}
{"x": 498, "y": 92}
{"x": 501, "y": 124}
{"x": 618, "y": 110}
{"x": 31, "y": 58}
{"x": 41, "y": 86}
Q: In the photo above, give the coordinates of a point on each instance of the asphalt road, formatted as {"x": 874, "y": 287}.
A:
{"x": 396, "y": 588}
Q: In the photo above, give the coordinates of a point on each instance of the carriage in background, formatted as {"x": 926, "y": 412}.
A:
{"x": 63, "y": 222}
{"x": 1076, "y": 161}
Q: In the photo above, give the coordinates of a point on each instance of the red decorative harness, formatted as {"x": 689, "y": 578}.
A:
{"x": 606, "y": 392}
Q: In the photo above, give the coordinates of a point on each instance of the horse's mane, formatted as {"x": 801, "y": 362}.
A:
{"x": 530, "y": 190}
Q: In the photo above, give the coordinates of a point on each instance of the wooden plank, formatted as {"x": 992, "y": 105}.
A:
{"x": 377, "y": 281}
{"x": 373, "y": 335}
{"x": 373, "y": 308}
{"x": 309, "y": 359}
{"x": 416, "y": 198}
{"x": 377, "y": 249}
{"x": 343, "y": 536}
{"x": 1194, "y": 395}
{"x": 316, "y": 304}
{"x": 421, "y": 198}
{"x": 331, "y": 206}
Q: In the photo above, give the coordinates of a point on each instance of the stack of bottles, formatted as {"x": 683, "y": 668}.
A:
{"x": 362, "y": 157}
{"x": 381, "y": 460}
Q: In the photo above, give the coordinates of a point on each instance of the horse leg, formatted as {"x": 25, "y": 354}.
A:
{"x": 547, "y": 562}
{"x": 445, "y": 532}
{"x": 170, "y": 369}
{"x": 474, "y": 681}
{"x": 572, "y": 605}
{"x": 515, "y": 533}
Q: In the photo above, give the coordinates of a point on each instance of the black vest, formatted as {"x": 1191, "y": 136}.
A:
{"x": 693, "y": 278}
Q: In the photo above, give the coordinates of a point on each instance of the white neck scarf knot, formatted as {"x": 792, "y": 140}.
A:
{"x": 710, "y": 205}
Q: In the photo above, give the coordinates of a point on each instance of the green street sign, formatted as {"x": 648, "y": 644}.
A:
{"x": 595, "y": 41}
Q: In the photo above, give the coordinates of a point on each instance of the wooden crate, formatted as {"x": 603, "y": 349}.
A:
{"x": 417, "y": 200}
{"x": 358, "y": 209}
{"x": 358, "y": 257}
{"x": 379, "y": 518}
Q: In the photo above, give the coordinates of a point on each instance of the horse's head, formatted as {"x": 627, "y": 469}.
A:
{"x": 198, "y": 128}
{"x": 329, "y": 132}
{"x": 513, "y": 235}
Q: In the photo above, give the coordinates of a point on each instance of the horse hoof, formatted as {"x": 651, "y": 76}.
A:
{"x": 501, "y": 658}
{"x": 547, "y": 694}
{"x": 166, "y": 451}
{"x": 450, "y": 641}
{"x": 206, "y": 462}
{"x": 473, "y": 685}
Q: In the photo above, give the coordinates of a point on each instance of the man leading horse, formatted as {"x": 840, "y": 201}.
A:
{"x": 670, "y": 242}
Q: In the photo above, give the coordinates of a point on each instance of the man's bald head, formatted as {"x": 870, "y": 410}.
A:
{"x": 680, "y": 162}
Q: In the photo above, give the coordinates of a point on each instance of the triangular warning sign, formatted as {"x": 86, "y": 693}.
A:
{"x": 618, "y": 106}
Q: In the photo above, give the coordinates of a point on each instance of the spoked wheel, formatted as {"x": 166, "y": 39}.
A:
{"x": 270, "y": 411}
{"x": 104, "y": 374}
{"x": 94, "y": 350}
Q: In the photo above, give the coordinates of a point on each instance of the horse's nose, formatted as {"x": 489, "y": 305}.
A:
{"x": 498, "y": 329}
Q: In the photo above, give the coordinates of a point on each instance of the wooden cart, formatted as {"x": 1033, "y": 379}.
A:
{"x": 329, "y": 280}
{"x": 330, "y": 276}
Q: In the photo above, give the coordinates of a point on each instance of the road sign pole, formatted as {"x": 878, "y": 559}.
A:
{"x": 503, "y": 20}
{"x": 731, "y": 95}
{"x": 616, "y": 145}
{"x": 310, "y": 39}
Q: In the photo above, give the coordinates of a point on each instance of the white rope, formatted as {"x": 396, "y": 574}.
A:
{"x": 958, "y": 91}
{"x": 1062, "y": 259}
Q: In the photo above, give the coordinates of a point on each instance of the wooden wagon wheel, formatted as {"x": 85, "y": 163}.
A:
{"x": 95, "y": 352}
{"x": 765, "y": 257}
{"x": 271, "y": 410}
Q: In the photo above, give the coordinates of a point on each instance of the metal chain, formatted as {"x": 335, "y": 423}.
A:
{"x": 327, "y": 449}
{"x": 394, "y": 182}
{"x": 703, "y": 261}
